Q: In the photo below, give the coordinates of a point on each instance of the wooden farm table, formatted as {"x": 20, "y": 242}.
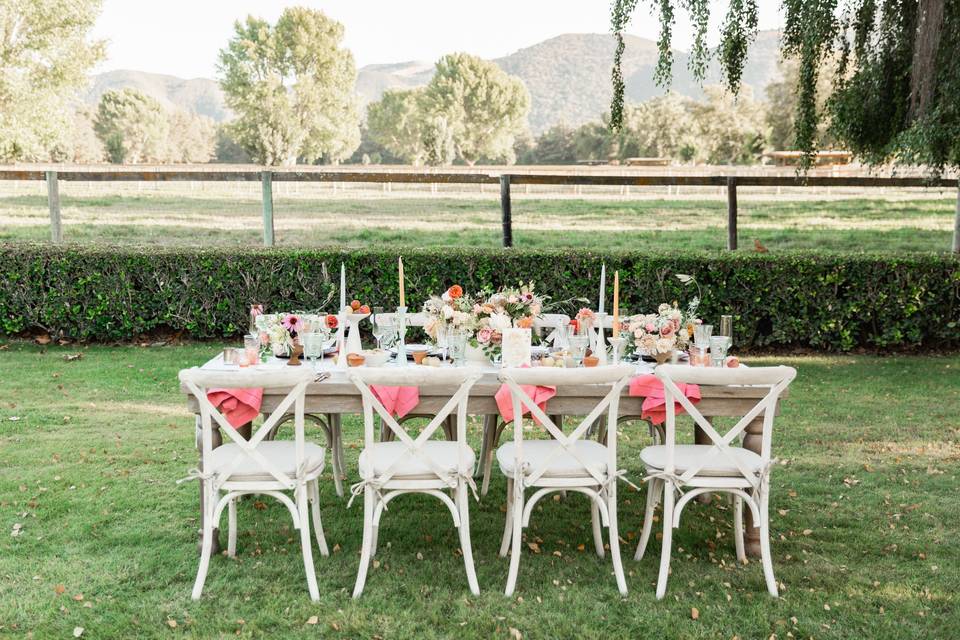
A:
{"x": 328, "y": 400}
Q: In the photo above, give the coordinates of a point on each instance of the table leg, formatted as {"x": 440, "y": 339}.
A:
{"x": 752, "y": 440}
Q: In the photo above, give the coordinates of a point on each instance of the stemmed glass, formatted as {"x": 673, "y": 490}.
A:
{"x": 313, "y": 346}
{"x": 458, "y": 346}
{"x": 387, "y": 330}
{"x": 377, "y": 326}
{"x": 442, "y": 341}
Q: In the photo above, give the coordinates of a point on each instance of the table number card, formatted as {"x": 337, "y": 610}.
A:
{"x": 516, "y": 347}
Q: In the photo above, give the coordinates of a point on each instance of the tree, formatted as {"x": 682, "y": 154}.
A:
{"x": 396, "y": 122}
{"x": 44, "y": 59}
{"x": 729, "y": 129}
{"x": 782, "y": 108}
{"x": 82, "y": 145}
{"x": 132, "y": 126}
{"x": 662, "y": 127}
{"x": 485, "y": 108}
{"x": 193, "y": 138}
{"x": 893, "y": 96}
{"x": 292, "y": 87}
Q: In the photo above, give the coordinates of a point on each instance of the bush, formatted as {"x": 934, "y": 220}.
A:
{"x": 824, "y": 301}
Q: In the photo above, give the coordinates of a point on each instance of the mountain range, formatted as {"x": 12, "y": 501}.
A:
{"x": 568, "y": 78}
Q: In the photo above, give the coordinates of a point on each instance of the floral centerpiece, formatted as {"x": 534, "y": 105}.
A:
{"x": 658, "y": 334}
{"x": 510, "y": 307}
{"x": 279, "y": 331}
{"x": 451, "y": 311}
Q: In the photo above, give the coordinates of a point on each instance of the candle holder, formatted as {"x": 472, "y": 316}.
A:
{"x": 617, "y": 344}
{"x": 600, "y": 345}
{"x": 401, "y": 334}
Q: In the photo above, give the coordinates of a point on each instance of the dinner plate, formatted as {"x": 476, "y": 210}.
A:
{"x": 413, "y": 348}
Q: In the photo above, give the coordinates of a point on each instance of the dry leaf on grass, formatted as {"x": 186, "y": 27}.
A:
{"x": 70, "y": 357}
{"x": 44, "y": 339}
{"x": 171, "y": 623}
{"x": 534, "y": 547}
{"x": 313, "y": 620}
{"x": 77, "y": 632}
{"x": 515, "y": 634}
{"x": 694, "y": 613}
{"x": 59, "y": 589}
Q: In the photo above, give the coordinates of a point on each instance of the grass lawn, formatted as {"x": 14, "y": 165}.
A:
{"x": 864, "y": 522}
{"x": 856, "y": 224}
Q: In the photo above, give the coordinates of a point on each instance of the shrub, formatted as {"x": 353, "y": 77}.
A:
{"x": 825, "y": 301}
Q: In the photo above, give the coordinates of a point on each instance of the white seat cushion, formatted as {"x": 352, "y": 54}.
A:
{"x": 564, "y": 465}
{"x": 687, "y": 456}
{"x": 281, "y": 453}
{"x": 412, "y": 467}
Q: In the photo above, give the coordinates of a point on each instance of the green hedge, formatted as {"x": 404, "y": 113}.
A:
{"x": 824, "y": 301}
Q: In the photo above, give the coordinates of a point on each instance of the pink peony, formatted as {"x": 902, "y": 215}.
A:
{"x": 650, "y": 327}
{"x": 484, "y": 335}
{"x": 667, "y": 330}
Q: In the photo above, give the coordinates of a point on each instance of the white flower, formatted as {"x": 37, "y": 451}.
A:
{"x": 447, "y": 311}
{"x": 500, "y": 321}
{"x": 663, "y": 308}
{"x": 665, "y": 345}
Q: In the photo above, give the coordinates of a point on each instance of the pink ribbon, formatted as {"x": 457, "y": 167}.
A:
{"x": 654, "y": 406}
{"x": 238, "y": 406}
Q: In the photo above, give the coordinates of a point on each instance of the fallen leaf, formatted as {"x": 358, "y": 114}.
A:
{"x": 807, "y": 532}
{"x": 313, "y": 620}
{"x": 78, "y": 597}
{"x": 534, "y": 547}
{"x": 77, "y": 632}
{"x": 259, "y": 506}
{"x": 70, "y": 357}
{"x": 171, "y": 623}
{"x": 59, "y": 589}
{"x": 515, "y": 634}
{"x": 694, "y": 613}
{"x": 45, "y": 339}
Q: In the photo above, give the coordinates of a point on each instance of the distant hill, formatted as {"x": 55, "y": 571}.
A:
{"x": 201, "y": 96}
{"x": 568, "y": 77}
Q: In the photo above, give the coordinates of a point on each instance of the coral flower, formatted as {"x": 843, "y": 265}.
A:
{"x": 332, "y": 322}
{"x": 456, "y": 291}
{"x": 525, "y": 322}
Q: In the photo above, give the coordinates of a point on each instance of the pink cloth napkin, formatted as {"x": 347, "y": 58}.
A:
{"x": 238, "y": 406}
{"x": 654, "y": 405}
{"x": 539, "y": 394}
{"x": 398, "y": 401}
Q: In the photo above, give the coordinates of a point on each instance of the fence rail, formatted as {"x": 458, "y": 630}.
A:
{"x": 504, "y": 179}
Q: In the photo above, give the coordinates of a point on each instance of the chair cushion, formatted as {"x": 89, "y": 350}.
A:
{"x": 411, "y": 467}
{"x": 564, "y": 465}
{"x": 687, "y": 456}
{"x": 281, "y": 453}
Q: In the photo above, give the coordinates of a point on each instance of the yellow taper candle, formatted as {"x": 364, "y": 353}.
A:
{"x": 403, "y": 298}
{"x": 616, "y": 304}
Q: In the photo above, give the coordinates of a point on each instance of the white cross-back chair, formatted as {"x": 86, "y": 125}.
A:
{"x": 420, "y": 465}
{"x": 689, "y": 470}
{"x": 565, "y": 463}
{"x": 257, "y": 465}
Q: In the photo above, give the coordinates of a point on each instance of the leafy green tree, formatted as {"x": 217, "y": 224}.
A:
{"x": 292, "y": 87}
{"x": 438, "y": 142}
{"x": 556, "y": 145}
{"x": 193, "y": 138}
{"x": 662, "y": 127}
{"x": 397, "y": 122}
{"x": 82, "y": 144}
{"x": 226, "y": 150}
{"x": 485, "y": 108}
{"x": 132, "y": 126}
{"x": 782, "y": 98}
{"x": 44, "y": 58}
{"x": 729, "y": 129}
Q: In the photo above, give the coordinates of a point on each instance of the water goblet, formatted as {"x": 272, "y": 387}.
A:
{"x": 458, "y": 347}
{"x": 578, "y": 347}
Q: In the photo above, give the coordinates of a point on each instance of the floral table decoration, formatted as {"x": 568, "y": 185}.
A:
{"x": 658, "y": 335}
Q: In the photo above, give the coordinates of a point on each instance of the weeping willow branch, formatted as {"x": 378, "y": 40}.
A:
{"x": 619, "y": 19}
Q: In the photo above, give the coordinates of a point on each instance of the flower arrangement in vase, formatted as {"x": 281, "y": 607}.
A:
{"x": 515, "y": 307}
{"x": 658, "y": 335}
{"x": 451, "y": 311}
{"x": 279, "y": 331}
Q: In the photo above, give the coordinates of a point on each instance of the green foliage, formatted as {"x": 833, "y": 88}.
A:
{"x": 782, "y": 107}
{"x": 44, "y": 58}
{"x": 132, "y": 126}
{"x": 484, "y": 108}
{"x": 292, "y": 87}
{"x": 825, "y": 301}
{"x": 396, "y": 122}
{"x": 193, "y": 138}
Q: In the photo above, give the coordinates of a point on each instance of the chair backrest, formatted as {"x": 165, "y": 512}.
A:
{"x": 556, "y": 323}
{"x": 777, "y": 379}
{"x": 201, "y": 381}
{"x": 416, "y": 376}
{"x": 616, "y": 376}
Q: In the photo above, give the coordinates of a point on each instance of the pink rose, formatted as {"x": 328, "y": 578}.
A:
{"x": 484, "y": 335}
{"x": 650, "y": 328}
{"x": 667, "y": 330}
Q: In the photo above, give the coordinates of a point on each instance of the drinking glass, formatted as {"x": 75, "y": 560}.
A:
{"x": 388, "y": 330}
{"x": 562, "y": 340}
{"x": 377, "y": 327}
{"x": 578, "y": 348}
{"x": 726, "y": 328}
{"x": 701, "y": 335}
{"x": 458, "y": 347}
{"x": 313, "y": 346}
{"x": 251, "y": 347}
{"x": 442, "y": 341}
{"x": 718, "y": 350}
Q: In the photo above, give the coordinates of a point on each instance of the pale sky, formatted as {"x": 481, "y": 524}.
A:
{"x": 182, "y": 37}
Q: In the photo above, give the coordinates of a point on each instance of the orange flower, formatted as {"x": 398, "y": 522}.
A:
{"x": 455, "y": 291}
{"x": 525, "y": 323}
{"x": 331, "y": 322}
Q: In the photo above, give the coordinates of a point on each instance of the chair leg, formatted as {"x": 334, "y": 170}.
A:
{"x": 315, "y": 512}
{"x": 368, "y": 499}
{"x": 306, "y": 546}
{"x": 653, "y": 493}
{"x": 490, "y": 435}
{"x": 206, "y": 547}
{"x": 232, "y": 528}
{"x": 508, "y": 521}
{"x": 517, "y": 537}
{"x": 738, "y": 528}
{"x": 463, "y": 504}
{"x": 668, "y": 498}
{"x": 597, "y": 533}
{"x": 375, "y": 531}
{"x": 614, "y": 531}
{"x": 765, "y": 556}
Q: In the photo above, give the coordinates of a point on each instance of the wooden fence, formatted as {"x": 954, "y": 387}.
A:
{"x": 505, "y": 180}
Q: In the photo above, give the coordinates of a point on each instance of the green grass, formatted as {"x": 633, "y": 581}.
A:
{"x": 88, "y": 467}
{"x": 856, "y": 224}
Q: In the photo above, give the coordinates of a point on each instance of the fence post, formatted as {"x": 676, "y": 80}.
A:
{"x": 505, "y": 209}
{"x": 956, "y": 223}
{"x": 53, "y": 200}
{"x": 266, "y": 178}
{"x": 731, "y": 213}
